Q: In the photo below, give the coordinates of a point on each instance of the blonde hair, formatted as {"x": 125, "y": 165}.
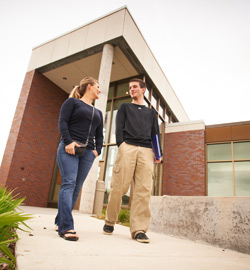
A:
{"x": 79, "y": 90}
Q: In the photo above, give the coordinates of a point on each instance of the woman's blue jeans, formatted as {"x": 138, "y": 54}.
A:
{"x": 74, "y": 170}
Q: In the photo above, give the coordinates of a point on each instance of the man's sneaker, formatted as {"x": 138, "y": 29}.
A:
{"x": 142, "y": 238}
{"x": 108, "y": 229}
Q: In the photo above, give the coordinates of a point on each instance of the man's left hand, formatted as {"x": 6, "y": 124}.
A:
{"x": 157, "y": 161}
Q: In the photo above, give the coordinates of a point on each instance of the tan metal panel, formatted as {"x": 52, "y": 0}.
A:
{"x": 60, "y": 48}
{"x": 114, "y": 26}
{"x": 148, "y": 60}
{"x": 45, "y": 53}
{"x": 77, "y": 40}
{"x": 96, "y": 33}
{"x": 219, "y": 134}
{"x": 241, "y": 132}
{"x": 129, "y": 28}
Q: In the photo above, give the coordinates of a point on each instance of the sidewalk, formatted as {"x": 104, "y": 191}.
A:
{"x": 94, "y": 250}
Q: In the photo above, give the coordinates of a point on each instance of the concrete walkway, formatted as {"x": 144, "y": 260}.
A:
{"x": 44, "y": 249}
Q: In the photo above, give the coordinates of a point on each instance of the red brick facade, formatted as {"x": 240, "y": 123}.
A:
{"x": 184, "y": 164}
{"x": 29, "y": 159}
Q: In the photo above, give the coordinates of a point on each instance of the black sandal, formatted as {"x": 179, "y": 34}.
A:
{"x": 69, "y": 238}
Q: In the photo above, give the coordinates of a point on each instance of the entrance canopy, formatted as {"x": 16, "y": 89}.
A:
{"x": 65, "y": 60}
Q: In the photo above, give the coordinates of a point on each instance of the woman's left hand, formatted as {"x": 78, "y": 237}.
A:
{"x": 95, "y": 153}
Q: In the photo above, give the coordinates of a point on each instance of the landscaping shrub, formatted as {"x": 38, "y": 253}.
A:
{"x": 123, "y": 216}
{"x": 9, "y": 223}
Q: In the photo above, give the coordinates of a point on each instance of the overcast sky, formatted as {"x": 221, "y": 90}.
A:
{"x": 202, "y": 46}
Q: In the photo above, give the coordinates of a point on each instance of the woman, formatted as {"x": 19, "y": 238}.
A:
{"x": 77, "y": 114}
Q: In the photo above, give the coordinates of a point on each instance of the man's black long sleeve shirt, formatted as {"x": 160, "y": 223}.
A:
{"x": 136, "y": 124}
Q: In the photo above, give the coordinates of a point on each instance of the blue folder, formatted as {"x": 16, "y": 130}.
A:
{"x": 156, "y": 146}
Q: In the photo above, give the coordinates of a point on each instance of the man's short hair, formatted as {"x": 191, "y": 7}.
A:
{"x": 141, "y": 82}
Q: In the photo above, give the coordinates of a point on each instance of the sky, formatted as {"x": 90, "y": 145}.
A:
{"x": 202, "y": 46}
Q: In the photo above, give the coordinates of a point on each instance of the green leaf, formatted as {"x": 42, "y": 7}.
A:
{"x": 4, "y": 260}
{"x": 9, "y": 223}
{"x": 3, "y": 243}
{"x": 8, "y": 253}
{"x": 13, "y": 217}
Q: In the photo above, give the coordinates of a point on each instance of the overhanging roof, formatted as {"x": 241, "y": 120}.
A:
{"x": 65, "y": 60}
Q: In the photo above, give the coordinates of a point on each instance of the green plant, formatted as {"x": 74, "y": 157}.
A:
{"x": 124, "y": 216}
{"x": 9, "y": 223}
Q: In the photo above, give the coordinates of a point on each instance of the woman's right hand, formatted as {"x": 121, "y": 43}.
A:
{"x": 70, "y": 148}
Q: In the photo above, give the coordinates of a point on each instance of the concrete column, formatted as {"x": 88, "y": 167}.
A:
{"x": 104, "y": 76}
{"x": 88, "y": 191}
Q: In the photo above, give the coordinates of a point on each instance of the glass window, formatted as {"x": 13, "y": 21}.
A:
{"x": 242, "y": 178}
{"x": 221, "y": 151}
{"x": 122, "y": 90}
{"x": 106, "y": 122}
{"x": 112, "y": 138}
{"x": 146, "y": 103}
{"x": 242, "y": 150}
{"x": 166, "y": 118}
{"x": 117, "y": 103}
{"x": 111, "y": 92}
{"x": 102, "y": 155}
{"x": 154, "y": 101}
{"x": 220, "y": 177}
{"x": 112, "y": 151}
{"x": 162, "y": 131}
{"x": 159, "y": 121}
{"x": 161, "y": 110}
{"x": 146, "y": 94}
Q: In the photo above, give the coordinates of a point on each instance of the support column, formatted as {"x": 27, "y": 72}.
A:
{"x": 88, "y": 191}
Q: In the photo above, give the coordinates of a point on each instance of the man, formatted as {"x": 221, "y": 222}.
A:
{"x": 136, "y": 125}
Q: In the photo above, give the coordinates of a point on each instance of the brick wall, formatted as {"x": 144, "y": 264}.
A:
{"x": 16, "y": 123}
{"x": 30, "y": 154}
{"x": 184, "y": 164}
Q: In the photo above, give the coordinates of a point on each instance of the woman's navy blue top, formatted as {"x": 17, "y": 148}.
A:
{"x": 74, "y": 122}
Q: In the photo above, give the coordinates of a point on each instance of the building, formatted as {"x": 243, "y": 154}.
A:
{"x": 113, "y": 50}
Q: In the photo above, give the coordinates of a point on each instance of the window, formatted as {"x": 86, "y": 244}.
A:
{"x": 154, "y": 101}
{"x": 161, "y": 111}
{"x": 220, "y": 177}
{"x": 219, "y": 152}
{"x": 106, "y": 122}
{"x": 111, "y": 92}
{"x": 242, "y": 178}
{"x": 242, "y": 150}
{"x": 109, "y": 170}
{"x": 228, "y": 169}
{"x": 147, "y": 93}
{"x": 122, "y": 90}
